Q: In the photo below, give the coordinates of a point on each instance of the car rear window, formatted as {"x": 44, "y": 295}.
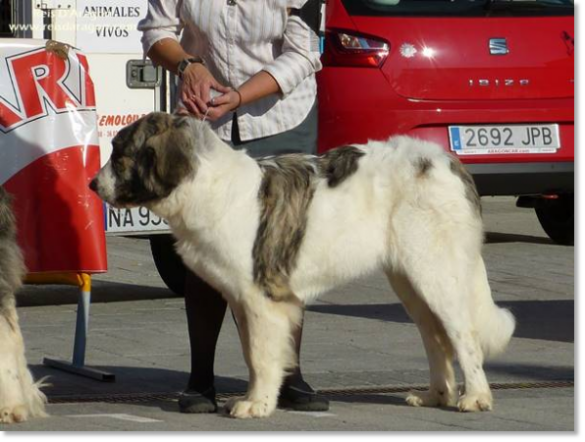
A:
{"x": 478, "y": 8}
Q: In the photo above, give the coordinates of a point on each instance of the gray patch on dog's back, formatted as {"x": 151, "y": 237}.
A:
{"x": 471, "y": 192}
{"x": 285, "y": 194}
{"x": 339, "y": 164}
{"x": 423, "y": 166}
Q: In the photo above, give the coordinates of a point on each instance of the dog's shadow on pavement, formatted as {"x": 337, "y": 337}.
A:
{"x": 546, "y": 320}
{"x": 159, "y": 388}
{"x": 141, "y": 385}
{"x": 371, "y": 399}
{"x": 102, "y": 292}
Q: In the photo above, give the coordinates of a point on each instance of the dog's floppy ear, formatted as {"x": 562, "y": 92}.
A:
{"x": 146, "y": 158}
{"x": 172, "y": 155}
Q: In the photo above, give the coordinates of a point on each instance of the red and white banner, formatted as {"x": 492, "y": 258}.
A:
{"x": 49, "y": 152}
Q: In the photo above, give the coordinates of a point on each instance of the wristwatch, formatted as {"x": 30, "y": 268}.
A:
{"x": 186, "y": 62}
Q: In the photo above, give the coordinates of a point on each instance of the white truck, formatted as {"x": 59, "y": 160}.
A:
{"x": 126, "y": 88}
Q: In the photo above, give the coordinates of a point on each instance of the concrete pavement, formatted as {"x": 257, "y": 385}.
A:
{"x": 359, "y": 347}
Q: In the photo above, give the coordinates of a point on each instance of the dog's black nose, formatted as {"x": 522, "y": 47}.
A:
{"x": 93, "y": 185}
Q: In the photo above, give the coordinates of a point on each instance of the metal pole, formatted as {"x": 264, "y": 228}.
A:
{"x": 77, "y": 365}
{"x": 81, "y": 328}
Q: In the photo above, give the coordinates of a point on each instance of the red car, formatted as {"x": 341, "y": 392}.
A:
{"x": 490, "y": 80}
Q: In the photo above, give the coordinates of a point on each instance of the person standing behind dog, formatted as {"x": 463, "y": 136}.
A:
{"x": 249, "y": 68}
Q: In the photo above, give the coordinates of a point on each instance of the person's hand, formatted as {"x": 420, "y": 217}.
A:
{"x": 182, "y": 111}
{"x": 219, "y": 106}
{"x": 196, "y": 82}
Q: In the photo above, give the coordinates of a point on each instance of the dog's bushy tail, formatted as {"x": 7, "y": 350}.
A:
{"x": 495, "y": 325}
{"x": 496, "y": 330}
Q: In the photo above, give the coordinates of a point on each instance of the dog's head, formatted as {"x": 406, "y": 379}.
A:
{"x": 150, "y": 158}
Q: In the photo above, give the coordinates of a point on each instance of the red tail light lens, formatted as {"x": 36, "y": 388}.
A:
{"x": 349, "y": 49}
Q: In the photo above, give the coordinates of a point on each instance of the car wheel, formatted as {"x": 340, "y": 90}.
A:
{"x": 557, "y": 218}
{"x": 168, "y": 263}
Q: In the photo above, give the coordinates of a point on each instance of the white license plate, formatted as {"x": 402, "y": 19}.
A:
{"x": 136, "y": 220}
{"x": 500, "y": 139}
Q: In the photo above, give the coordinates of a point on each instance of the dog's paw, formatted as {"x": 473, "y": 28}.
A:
{"x": 242, "y": 408}
{"x": 476, "y": 402}
{"x": 431, "y": 398}
{"x": 421, "y": 399}
{"x": 11, "y": 415}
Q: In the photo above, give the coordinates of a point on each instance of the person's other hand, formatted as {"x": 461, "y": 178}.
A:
{"x": 196, "y": 82}
{"x": 182, "y": 111}
{"x": 223, "y": 104}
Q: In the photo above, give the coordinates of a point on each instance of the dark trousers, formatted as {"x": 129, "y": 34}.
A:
{"x": 205, "y": 313}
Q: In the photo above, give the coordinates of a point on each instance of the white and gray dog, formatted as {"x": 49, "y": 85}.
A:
{"x": 20, "y": 397}
{"x": 272, "y": 234}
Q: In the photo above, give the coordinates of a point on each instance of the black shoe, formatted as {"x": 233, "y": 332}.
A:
{"x": 192, "y": 401}
{"x": 301, "y": 397}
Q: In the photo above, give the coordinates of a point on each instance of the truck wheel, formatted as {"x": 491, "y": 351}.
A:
{"x": 557, "y": 218}
{"x": 168, "y": 263}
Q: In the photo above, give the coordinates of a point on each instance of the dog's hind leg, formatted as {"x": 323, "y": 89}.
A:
{"x": 443, "y": 389}
{"x": 488, "y": 332}
{"x": 449, "y": 295}
{"x": 477, "y": 395}
{"x": 266, "y": 333}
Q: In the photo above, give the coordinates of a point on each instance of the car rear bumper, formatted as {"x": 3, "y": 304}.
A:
{"x": 523, "y": 178}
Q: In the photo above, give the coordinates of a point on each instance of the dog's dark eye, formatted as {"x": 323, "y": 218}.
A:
{"x": 121, "y": 165}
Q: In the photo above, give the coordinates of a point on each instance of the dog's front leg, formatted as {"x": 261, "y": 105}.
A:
{"x": 265, "y": 331}
{"x": 20, "y": 397}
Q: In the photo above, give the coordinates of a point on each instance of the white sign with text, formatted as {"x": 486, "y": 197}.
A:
{"x": 109, "y": 26}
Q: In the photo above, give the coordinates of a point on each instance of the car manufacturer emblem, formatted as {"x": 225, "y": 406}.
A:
{"x": 499, "y": 46}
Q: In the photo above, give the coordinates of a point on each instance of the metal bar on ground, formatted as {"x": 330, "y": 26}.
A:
{"x": 77, "y": 366}
{"x": 84, "y": 370}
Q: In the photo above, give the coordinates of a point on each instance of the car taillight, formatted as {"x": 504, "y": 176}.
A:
{"x": 348, "y": 49}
